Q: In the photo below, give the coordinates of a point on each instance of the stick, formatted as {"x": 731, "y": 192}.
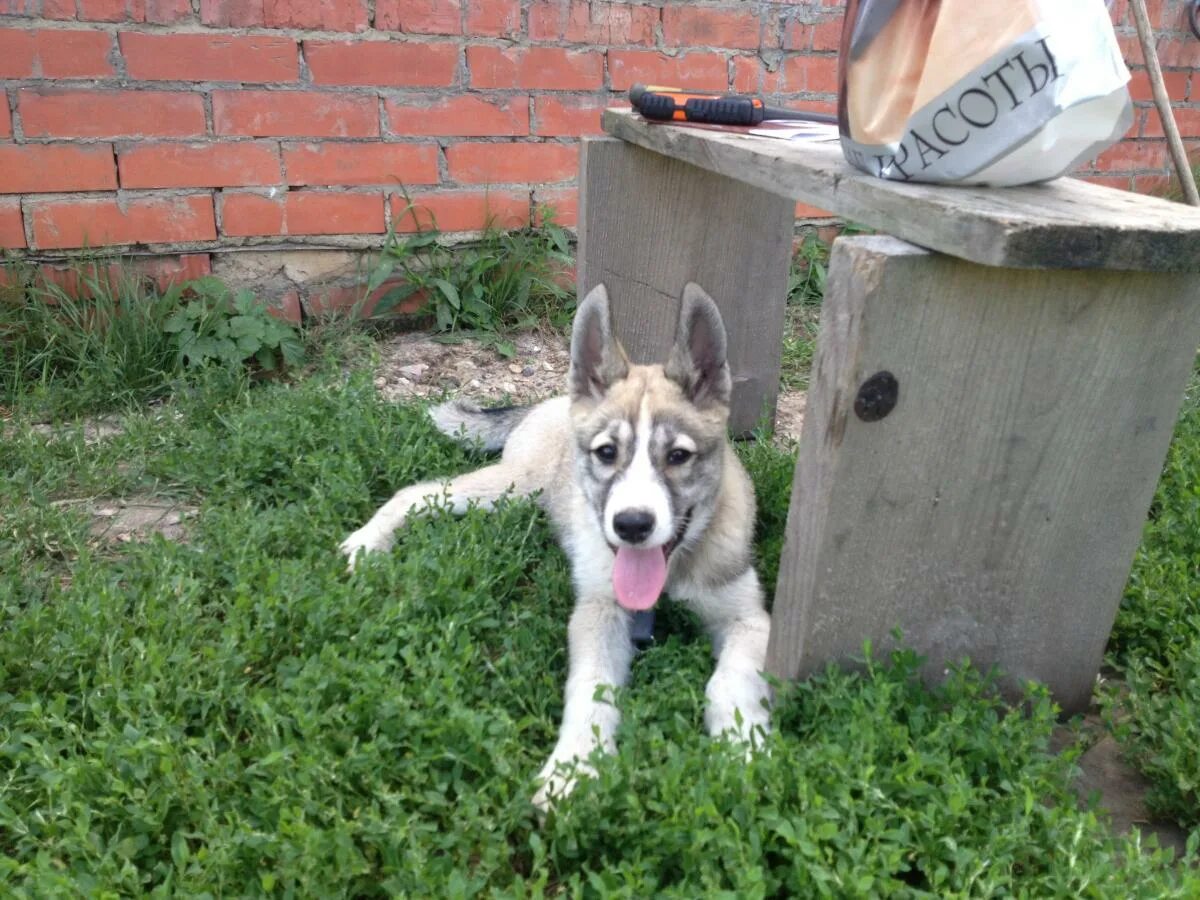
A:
{"x": 1163, "y": 102}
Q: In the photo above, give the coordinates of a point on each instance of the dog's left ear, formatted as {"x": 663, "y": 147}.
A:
{"x": 697, "y": 361}
{"x": 597, "y": 358}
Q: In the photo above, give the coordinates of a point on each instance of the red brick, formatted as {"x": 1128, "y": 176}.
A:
{"x": 596, "y": 23}
{"x": 319, "y": 15}
{"x": 104, "y": 10}
{"x": 388, "y": 63}
{"x": 159, "y": 12}
{"x": 535, "y": 67}
{"x": 827, "y": 35}
{"x": 26, "y": 53}
{"x": 92, "y": 223}
{"x": 45, "y": 168}
{"x": 12, "y": 231}
{"x": 564, "y": 202}
{"x": 1187, "y": 120}
{"x": 685, "y": 25}
{"x": 419, "y": 16}
{"x": 699, "y": 71}
{"x": 804, "y": 211}
{"x": 322, "y": 15}
{"x": 1152, "y": 184}
{"x": 334, "y": 213}
{"x": 1176, "y": 84}
{"x": 460, "y": 211}
{"x": 5, "y": 117}
{"x": 494, "y": 18}
{"x": 295, "y": 114}
{"x": 62, "y": 10}
{"x": 286, "y": 307}
{"x": 747, "y": 71}
{"x": 472, "y": 163}
{"x": 335, "y": 163}
{"x": 1128, "y": 156}
{"x": 815, "y": 74}
{"x": 80, "y": 279}
{"x": 244, "y": 215}
{"x": 466, "y": 115}
{"x": 107, "y": 114}
{"x": 210, "y": 57}
{"x": 302, "y": 212}
{"x": 199, "y": 165}
{"x": 1179, "y": 52}
{"x": 166, "y": 271}
{"x": 232, "y": 13}
{"x": 567, "y": 116}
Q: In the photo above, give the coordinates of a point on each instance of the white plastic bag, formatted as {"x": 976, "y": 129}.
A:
{"x": 999, "y": 92}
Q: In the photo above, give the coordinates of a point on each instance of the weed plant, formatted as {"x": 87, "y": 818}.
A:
{"x": 112, "y": 342}
{"x": 101, "y": 347}
{"x": 507, "y": 280}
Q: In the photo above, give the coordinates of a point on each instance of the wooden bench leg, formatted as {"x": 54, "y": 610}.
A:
{"x": 993, "y": 512}
{"x": 649, "y": 224}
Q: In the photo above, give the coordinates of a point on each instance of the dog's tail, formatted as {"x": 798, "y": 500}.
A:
{"x": 468, "y": 423}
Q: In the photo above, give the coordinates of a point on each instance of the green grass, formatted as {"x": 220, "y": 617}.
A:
{"x": 1156, "y": 639}
{"x": 806, "y": 287}
{"x": 72, "y": 355}
{"x": 235, "y": 715}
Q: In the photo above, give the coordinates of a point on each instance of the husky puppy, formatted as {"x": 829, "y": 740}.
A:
{"x": 646, "y": 494}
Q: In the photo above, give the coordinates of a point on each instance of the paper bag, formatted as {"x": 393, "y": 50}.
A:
{"x": 960, "y": 91}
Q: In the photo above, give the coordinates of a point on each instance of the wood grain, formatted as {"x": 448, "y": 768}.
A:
{"x": 994, "y": 513}
{"x": 1064, "y": 224}
{"x": 649, "y": 225}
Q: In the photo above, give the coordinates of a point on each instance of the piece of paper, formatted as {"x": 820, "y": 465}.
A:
{"x": 791, "y": 130}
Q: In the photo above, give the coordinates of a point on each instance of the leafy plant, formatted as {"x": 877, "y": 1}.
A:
{"x": 506, "y": 280}
{"x": 213, "y": 325}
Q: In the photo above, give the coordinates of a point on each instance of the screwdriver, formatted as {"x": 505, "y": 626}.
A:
{"x": 666, "y": 104}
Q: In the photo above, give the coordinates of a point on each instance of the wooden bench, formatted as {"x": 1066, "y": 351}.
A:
{"x": 994, "y": 390}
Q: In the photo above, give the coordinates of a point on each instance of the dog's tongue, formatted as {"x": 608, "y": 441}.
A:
{"x": 639, "y": 576}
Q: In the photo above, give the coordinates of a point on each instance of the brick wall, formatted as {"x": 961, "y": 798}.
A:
{"x": 200, "y": 125}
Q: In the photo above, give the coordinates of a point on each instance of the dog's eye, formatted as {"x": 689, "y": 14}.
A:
{"x": 678, "y": 456}
{"x": 606, "y": 453}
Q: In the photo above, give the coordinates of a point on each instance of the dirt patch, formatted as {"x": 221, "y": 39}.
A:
{"x": 416, "y": 366}
{"x": 94, "y": 430}
{"x": 125, "y": 519}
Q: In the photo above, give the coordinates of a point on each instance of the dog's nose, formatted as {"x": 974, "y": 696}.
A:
{"x": 633, "y": 525}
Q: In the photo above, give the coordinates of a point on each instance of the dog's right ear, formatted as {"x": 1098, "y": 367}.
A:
{"x": 597, "y": 360}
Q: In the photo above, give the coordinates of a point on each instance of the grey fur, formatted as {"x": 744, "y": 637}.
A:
{"x": 597, "y": 358}
{"x": 469, "y": 423}
{"x": 698, "y": 359}
{"x": 704, "y": 506}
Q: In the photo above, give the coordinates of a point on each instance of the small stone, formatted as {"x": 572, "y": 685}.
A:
{"x": 404, "y": 380}
{"x": 474, "y": 383}
{"x": 514, "y": 368}
{"x": 528, "y": 371}
{"x": 380, "y": 382}
{"x": 416, "y": 371}
{"x": 508, "y": 387}
{"x": 105, "y": 512}
{"x": 547, "y": 367}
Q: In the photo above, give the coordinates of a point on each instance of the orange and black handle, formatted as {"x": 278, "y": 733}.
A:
{"x": 670, "y": 104}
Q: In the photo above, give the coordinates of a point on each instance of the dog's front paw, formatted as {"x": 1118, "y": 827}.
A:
{"x": 363, "y": 541}
{"x": 738, "y": 707}
{"x": 558, "y": 778}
